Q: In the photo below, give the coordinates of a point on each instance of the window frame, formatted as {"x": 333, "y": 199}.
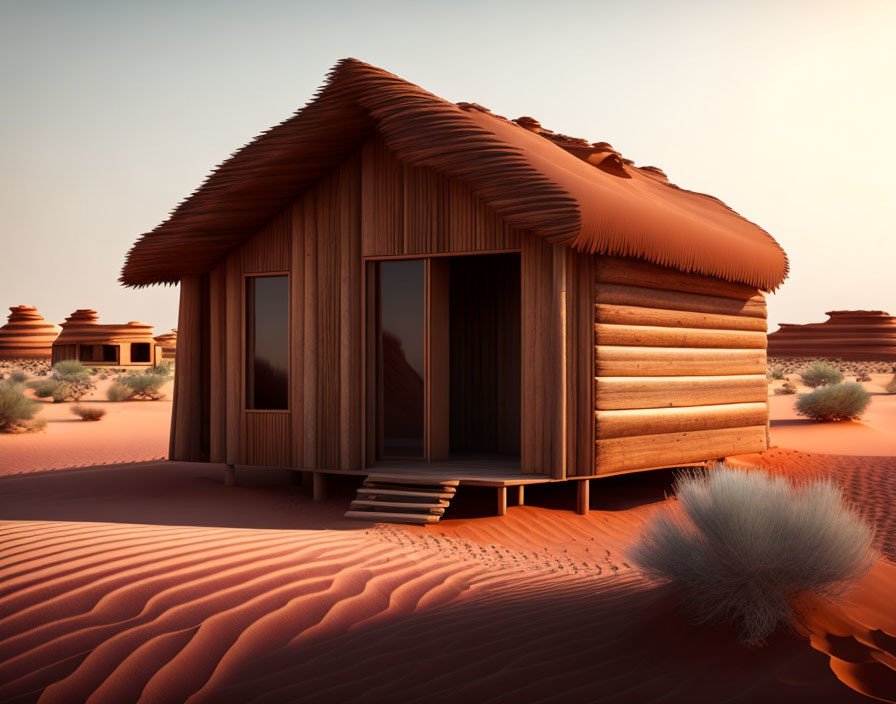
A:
{"x": 244, "y": 341}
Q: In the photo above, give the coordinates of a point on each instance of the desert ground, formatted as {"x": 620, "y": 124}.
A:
{"x": 152, "y": 581}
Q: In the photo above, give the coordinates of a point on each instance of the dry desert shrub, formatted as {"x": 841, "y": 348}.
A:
{"x": 863, "y": 376}
{"x": 821, "y": 373}
{"x": 59, "y": 391}
{"x": 890, "y": 388}
{"x": 786, "y": 388}
{"x": 119, "y": 392}
{"x": 89, "y": 412}
{"x": 776, "y": 372}
{"x": 744, "y": 545}
{"x": 834, "y": 403}
{"x": 146, "y": 386}
{"x": 17, "y": 413}
{"x": 18, "y": 376}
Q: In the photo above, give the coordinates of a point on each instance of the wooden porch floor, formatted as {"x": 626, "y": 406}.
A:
{"x": 470, "y": 471}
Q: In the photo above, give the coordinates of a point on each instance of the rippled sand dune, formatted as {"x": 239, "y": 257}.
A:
{"x": 154, "y": 582}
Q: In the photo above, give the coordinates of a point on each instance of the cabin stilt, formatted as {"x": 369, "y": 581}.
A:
{"x": 502, "y": 500}
{"x": 583, "y": 496}
{"x": 319, "y": 490}
{"x": 520, "y": 495}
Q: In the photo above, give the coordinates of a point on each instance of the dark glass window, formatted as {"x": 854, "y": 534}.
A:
{"x": 267, "y": 342}
{"x": 402, "y": 296}
{"x": 98, "y": 353}
{"x": 140, "y": 352}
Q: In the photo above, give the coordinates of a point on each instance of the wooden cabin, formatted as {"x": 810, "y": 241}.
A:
{"x": 26, "y": 335}
{"x": 168, "y": 342}
{"x": 97, "y": 344}
{"x": 391, "y": 285}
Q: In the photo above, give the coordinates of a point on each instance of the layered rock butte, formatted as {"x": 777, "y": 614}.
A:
{"x": 81, "y": 327}
{"x": 27, "y": 335}
{"x": 854, "y": 335}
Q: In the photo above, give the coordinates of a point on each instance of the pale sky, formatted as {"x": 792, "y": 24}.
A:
{"x": 113, "y": 112}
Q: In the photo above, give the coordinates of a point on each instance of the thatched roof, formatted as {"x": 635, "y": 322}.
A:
{"x": 564, "y": 189}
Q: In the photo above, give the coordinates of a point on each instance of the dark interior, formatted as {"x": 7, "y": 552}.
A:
{"x": 485, "y": 354}
{"x": 98, "y": 353}
{"x": 140, "y": 352}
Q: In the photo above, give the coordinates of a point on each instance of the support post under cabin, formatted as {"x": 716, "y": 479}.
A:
{"x": 583, "y": 496}
{"x": 319, "y": 490}
{"x": 502, "y": 500}
{"x": 520, "y": 494}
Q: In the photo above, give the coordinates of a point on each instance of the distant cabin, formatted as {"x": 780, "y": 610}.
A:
{"x": 389, "y": 284}
{"x": 168, "y": 342}
{"x": 96, "y": 344}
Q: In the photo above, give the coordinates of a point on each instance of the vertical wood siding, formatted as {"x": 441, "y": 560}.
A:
{"x": 679, "y": 367}
{"x": 373, "y": 205}
{"x": 412, "y": 210}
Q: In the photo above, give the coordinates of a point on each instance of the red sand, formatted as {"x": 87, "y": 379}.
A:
{"x": 154, "y": 582}
{"x": 130, "y": 431}
{"x": 873, "y": 435}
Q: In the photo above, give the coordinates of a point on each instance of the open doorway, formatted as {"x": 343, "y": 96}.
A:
{"x": 446, "y": 339}
{"x": 484, "y": 366}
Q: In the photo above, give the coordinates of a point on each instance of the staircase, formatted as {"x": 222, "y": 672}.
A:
{"x": 401, "y": 499}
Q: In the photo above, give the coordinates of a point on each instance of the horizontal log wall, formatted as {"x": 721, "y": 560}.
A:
{"x": 679, "y": 367}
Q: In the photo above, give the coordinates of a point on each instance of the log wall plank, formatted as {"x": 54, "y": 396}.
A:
{"x": 669, "y": 449}
{"x": 653, "y": 421}
{"x": 621, "y": 294}
{"x": 650, "y": 336}
{"x": 665, "y": 392}
{"x": 677, "y": 361}
{"x": 632, "y": 272}
{"x": 659, "y": 317}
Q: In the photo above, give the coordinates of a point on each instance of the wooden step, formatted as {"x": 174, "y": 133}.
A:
{"x": 410, "y": 487}
{"x": 373, "y": 491}
{"x": 410, "y": 479}
{"x": 383, "y": 517}
{"x": 438, "y": 508}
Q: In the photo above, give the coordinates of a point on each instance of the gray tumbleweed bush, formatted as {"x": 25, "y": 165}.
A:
{"x": 821, "y": 373}
{"x": 743, "y": 545}
{"x": 834, "y": 403}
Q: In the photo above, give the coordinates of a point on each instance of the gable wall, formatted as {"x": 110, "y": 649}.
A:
{"x": 371, "y": 206}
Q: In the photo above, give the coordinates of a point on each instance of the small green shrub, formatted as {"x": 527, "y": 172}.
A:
{"x": 163, "y": 369}
{"x": 744, "y": 545}
{"x": 821, "y": 373}
{"x": 70, "y": 370}
{"x": 890, "y": 388}
{"x": 59, "y": 391}
{"x": 786, "y": 388}
{"x": 834, "y": 403}
{"x": 777, "y": 372}
{"x": 76, "y": 380}
{"x": 18, "y": 376}
{"x": 146, "y": 386}
{"x": 89, "y": 412}
{"x": 16, "y": 411}
{"x": 119, "y": 392}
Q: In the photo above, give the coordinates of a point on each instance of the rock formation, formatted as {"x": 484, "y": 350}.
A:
{"x": 27, "y": 335}
{"x": 846, "y": 334}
